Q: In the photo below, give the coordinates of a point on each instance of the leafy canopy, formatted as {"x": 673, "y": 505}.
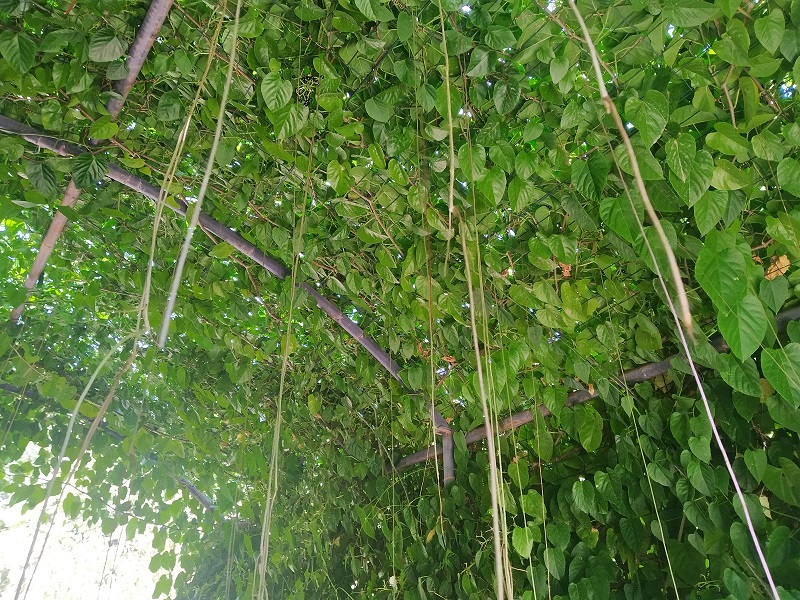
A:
{"x": 336, "y": 152}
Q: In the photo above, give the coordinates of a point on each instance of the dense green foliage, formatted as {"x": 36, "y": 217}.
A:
{"x": 336, "y": 152}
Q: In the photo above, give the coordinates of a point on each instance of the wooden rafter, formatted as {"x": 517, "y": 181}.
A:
{"x": 139, "y": 50}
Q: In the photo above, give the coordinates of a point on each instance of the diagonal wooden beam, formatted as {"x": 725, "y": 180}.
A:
{"x": 272, "y": 265}
{"x": 139, "y": 50}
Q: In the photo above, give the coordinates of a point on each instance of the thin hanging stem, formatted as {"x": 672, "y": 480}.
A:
{"x": 187, "y": 241}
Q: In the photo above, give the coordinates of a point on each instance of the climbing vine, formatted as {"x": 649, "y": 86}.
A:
{"x": 425, "y": 216}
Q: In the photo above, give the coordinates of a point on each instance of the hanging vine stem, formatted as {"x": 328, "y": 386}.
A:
{"x": 187, "y": 242}
{"x": 502, "y": 586}
{"x": 684, "y": 328}
{"x": 686, "y": 313}
{"x": 451, "y": 142}
{"x": 169, "y": 176}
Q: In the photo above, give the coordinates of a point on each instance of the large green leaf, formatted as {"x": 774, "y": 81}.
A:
{"x": 619, "y": 216}
{"x": 506, "y": 96}
{"x": 722, "y": 274}
{"x": 339, "y": 177}
{"x": 457, "y": 42}
{"x": 18, "y": 49}
{"x": 42, "y": 178}
{"x": 649, "y": 115}
{"x": 742, "y": 376}
{"x": 589, "y": 176}
{"x": 105, "y": 46}
{"x": 789, "y": 176}
{"x": 701, "y": 170}
{"x": 744, "y": 326}
{"x": 294, "y": 119}
{"x": 276, "y": 91}
{"x": 378, "y": 109}
{"x": 769, "y": 30}
{"x": 786, "y": 230}
{"x": 680, "y": 155}
{"x": 493, "y": 184}
{"x": 781, "y": 367}
{"x": 523, "y": 539}
{"x": 690, "y": 13}
{"x": 709, "y": 209}
{"x": 89, "y": 169}
{"x": 499, "y": 37}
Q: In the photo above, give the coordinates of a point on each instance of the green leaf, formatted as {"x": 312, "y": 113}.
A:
{"x": 522, "y": 193}
{"x": 523, "y": 539}
{"x": 745, "y": 326}
{"x": 681, "y": 152}
{"x": 701, "y": 448}
{"x": 276, "y": 91}
{"x": 472, "y": 160}
{"x": 789, "y": 176}
{"x": 296, "y": 118}
{"x": 781, "y": 367}
{"x": 768, "y": 146}
{"x": 169, "y": 107}
{"x": 774, "y": 293}
{"x": 105, "y": 46}
{"x": 618, "y": 214}
{"x": 727, "y": 140}
{"x": 786, "y": 230}
{"x": 457, "y": 42}
{"x": 103, "y": 129}
{"x": 709, "y": 209}
{"x": 543, "y": 444}
{"x": 339, "y": 177}
{"x": 722, "y": 274}
{"x": 308, "y": 11}
{"x": 689, "y": 13}
{"x": 314, "y": 404}
{"x": 221, "y": 250}
{"x": 756, "y": 461}
{"x": 42, "y": 178}
{"x": 555, "y": 561}
{"x": 559, "y": 67}
{"x": 649, "y": 167}
{"x": 726, "y": 176}
{"x": 742, "y": 376}
{"x": 89, "y": 169}
{"x": 532, "y": 504}
{"x": 493, "y": 184}
{"x": 367, "y": 9}
{"x": 499, "y": 38}
{"x": 405, "y": 26}
{"x": 506, "y": 96}
{"x": 769, "y": 30}
{"x": 589, "y": 176}
{"x": 19, "y": 50}
{"x": 502, "y": 154}
{"x": 701, "y": 476}
{"x": 583, "y": 495}
{"x": 378, "y": 109}
{"x": 649, "y": 115}
{"x": 700, "y": 173}
{"x": 478, "y": 63}
{"x": 590, "y": 427}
